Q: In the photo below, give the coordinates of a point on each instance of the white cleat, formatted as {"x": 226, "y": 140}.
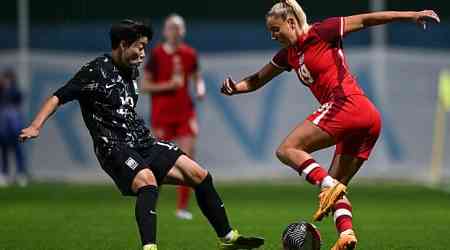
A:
{"x": 183, "y": 214}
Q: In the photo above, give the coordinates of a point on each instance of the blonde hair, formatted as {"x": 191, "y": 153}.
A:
{"x": 288, "y": 8}
{"x": 177, "y": 20}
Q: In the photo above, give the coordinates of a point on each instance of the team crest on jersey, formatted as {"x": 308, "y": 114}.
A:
{"x": 131, "y": 163}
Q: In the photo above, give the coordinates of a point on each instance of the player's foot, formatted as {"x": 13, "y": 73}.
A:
{"x": 183, "y": 214}
{"x": 235, "y": 241}
{"x": 347, "y": 241}
{"x": 150, "y": 247}
{"x": 327, "y": 198}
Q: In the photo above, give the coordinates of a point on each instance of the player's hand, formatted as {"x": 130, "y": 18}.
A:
{"x": 425, "y": 16}
{"x": 228, "y": 87}
{"x": 177, "y": 82}
{"x": 200, "y": 95}
{"x": 28, "y": 133}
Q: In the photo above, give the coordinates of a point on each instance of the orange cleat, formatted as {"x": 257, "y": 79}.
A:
{"x": 327, "y": 198}
{"x": 347, "y": 241}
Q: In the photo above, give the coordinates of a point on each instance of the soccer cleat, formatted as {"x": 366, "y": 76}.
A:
{"x": 183, "y": 214}
{"x": 150, "y": 247}
{"x": 238, "y": 241}
{"x": 327, "y": 198}
{"x": 346, "y": 241}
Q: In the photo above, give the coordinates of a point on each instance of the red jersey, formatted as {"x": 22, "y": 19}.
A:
{"x": 319, "y": 62}
{"x": 177, "y": 105}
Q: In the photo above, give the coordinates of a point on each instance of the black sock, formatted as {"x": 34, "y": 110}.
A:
{"x": 146, "y": 213}
{"x": 212, "y": 207}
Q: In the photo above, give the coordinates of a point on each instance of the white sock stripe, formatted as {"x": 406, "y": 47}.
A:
{"x": 341, "y": 212}
{"x": 309, "y": 168}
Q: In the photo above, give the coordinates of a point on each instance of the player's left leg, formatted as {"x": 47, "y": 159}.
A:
{"x": 343, "y": 168}
{"x": 188, "y": 172}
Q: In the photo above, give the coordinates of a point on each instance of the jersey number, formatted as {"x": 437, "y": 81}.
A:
{"x": 127, "y": 100}
{"x": 304, "y": 75}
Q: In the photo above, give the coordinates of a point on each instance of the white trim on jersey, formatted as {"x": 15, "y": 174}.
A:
{"x": 342, "y": 27}
{"x": 277, "y": 66}
{"x": 309, "y": 168}
{"x": 340, "y": 212}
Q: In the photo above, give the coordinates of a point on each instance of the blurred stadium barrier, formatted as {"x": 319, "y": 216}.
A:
{"x": 239, "y": 135}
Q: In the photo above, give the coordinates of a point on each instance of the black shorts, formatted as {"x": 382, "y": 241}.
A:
{"x": 123, "y": 163}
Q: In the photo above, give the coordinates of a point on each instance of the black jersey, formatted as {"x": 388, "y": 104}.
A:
{"x": 108, "y": 97}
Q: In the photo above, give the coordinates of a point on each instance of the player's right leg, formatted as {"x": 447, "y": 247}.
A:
{"x": 134, "y": 177}
{"x": 145, "y": 186}
{"x": 188, "y": 172}
{"x": 295, "y": 151}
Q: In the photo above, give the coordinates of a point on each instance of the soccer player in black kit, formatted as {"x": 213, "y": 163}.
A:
{"x": 107, "y": 91}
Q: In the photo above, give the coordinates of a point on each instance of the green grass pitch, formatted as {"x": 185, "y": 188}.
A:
{"x": 82, "y": 217}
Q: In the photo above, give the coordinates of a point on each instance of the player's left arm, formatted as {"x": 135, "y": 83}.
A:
{"x": 199, "y": 83}
{"x": 358, "y": 22}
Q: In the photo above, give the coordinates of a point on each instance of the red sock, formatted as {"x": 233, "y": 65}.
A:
{"x": 312, "y": 171}
{"x": 184, "y": 193}
{"x": 342, "y": 215}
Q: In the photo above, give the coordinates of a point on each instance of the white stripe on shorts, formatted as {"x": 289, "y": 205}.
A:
{"x": 309, "y": 168}
{"x": 319, "y": 117}
{"x": 340, "y": 212}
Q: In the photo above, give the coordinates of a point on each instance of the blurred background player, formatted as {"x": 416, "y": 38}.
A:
{"x": 347, "y": 118}
{"x": 11, "y": 122}
{"x": 171, "y": 66}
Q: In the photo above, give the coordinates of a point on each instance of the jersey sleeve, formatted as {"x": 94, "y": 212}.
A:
{"x": 78, "y": 86}
{"x": 331, "y": 29}
{"x": 280, "y": 60}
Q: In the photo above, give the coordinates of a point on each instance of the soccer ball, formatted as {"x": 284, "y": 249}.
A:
{"x": 301, "y": 236}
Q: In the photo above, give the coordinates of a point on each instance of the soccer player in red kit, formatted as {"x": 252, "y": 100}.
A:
{"x": 172, "y": 64}
{"x": 346, "y": 118}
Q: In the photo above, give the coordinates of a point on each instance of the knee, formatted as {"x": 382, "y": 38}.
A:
{"x": 201, "y": 176}
{"x": 282, "y": 153}
{"x": 144, "y": 178}
{"x": 206, "y": 181}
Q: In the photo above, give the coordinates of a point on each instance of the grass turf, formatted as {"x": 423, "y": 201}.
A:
{"x": 69, "y": 217}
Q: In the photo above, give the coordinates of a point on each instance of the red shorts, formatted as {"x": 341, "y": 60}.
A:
{"x": 169, "y": 131}
{"x": 353, "y": 121}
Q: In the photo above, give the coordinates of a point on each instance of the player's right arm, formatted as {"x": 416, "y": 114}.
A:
{"x": 252, "y": 82}
{"x": 77, "y": 87}
{"x": 48, "y": 108}
{"x": 148, "y": 84}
